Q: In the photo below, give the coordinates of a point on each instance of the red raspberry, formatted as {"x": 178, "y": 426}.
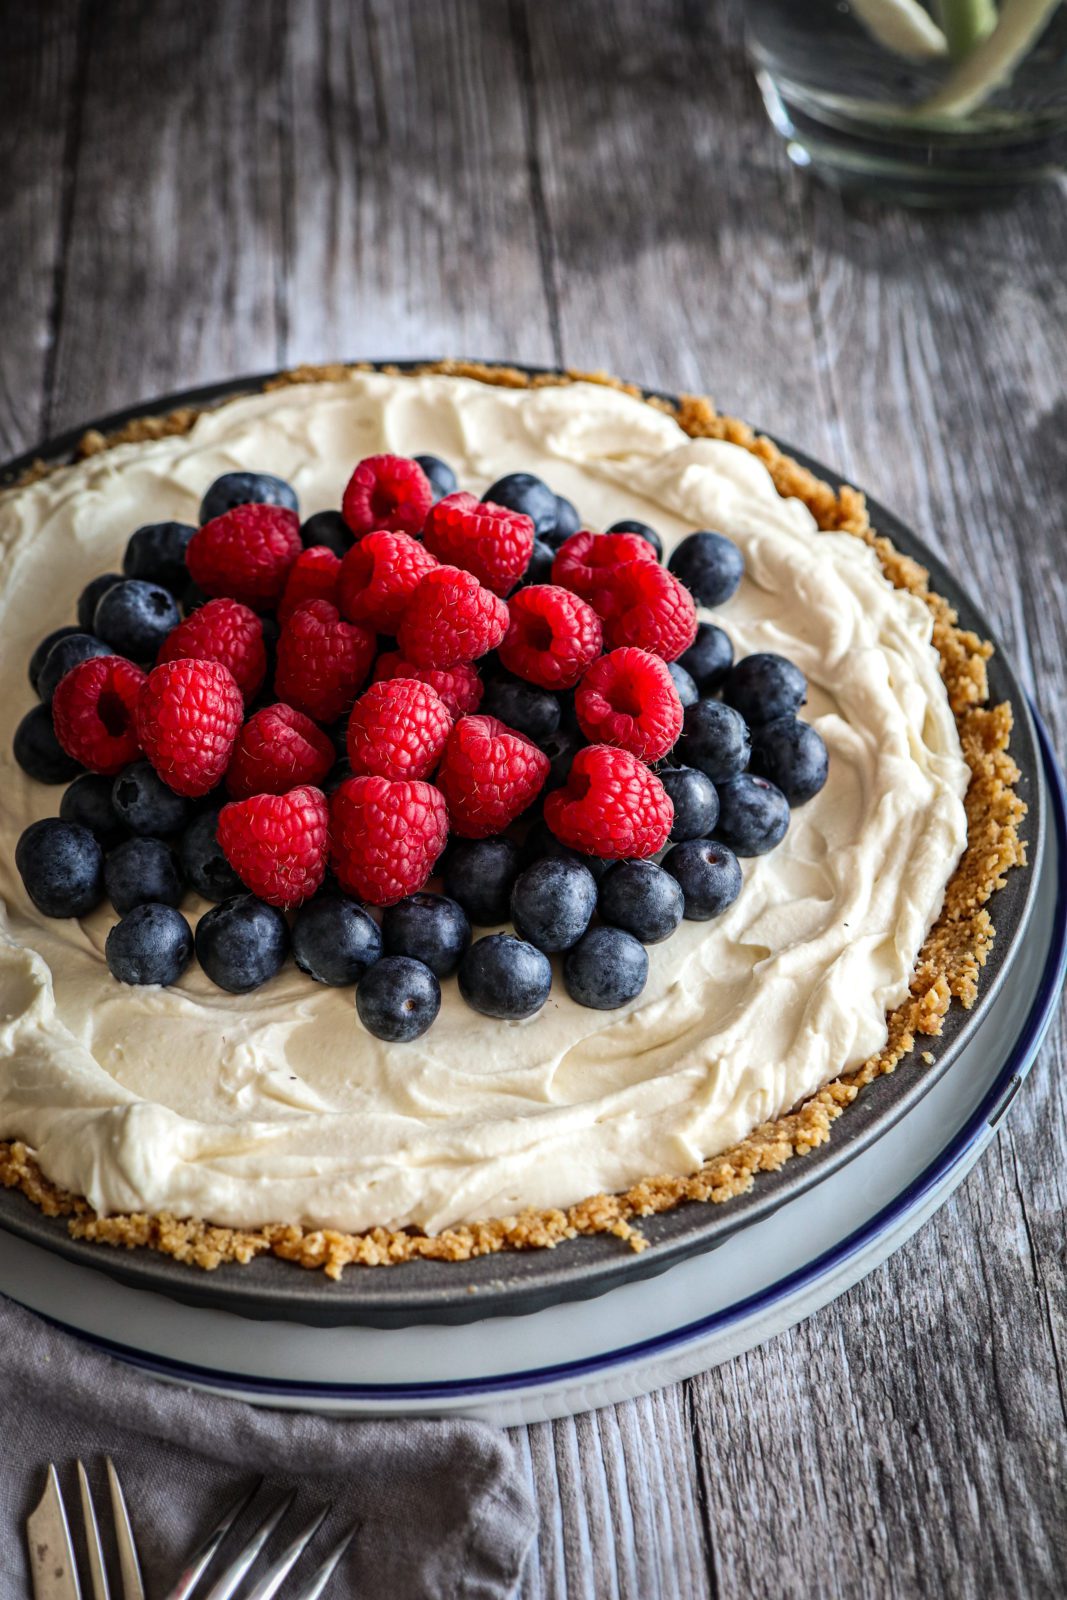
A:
{"x": 278, "y": 843}
{"x": 493, "y": 542}
{"x": 552, "y": 638}
{"x": 386, "y": 837}
{"x": 489, "y": 774}
{"x": 612, "y": 806}
{"x": 226, "y": 631}
{"x": 583, "y": 560}
{"x": 398, "y": 729}
{"x": 643, "y": 604}
{"x": 387, "y": 492}
{"x": 628, "y": 698}
{"x": 379, "y": 575}
{"x": 312, "y": 576}
{"x": 246, "y": 554}
{"x": 322, "y": 661}
{"x": 450, "y": 618}
{"x": 188, "y": 718}
{"x": 460, "y": 687}
{"x": 95, "y": 713}
{"x": 278, "y": 749}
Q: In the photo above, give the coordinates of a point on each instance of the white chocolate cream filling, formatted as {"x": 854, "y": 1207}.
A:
{"x": 278, "y": 1106}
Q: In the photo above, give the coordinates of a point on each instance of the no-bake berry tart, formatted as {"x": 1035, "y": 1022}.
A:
{"x": 467, "y": 811}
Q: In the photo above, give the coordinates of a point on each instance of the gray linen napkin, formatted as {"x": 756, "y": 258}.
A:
{"x": 442, "y": 1508}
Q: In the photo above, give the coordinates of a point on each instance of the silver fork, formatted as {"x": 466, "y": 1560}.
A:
{"x": 55, "y": 1571}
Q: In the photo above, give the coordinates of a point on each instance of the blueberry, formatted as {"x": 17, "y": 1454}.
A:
{"x": 328, "y": 528}
{"x": 37, "y": 660}
{"x": 561, "y": 749}
{"x": 244, "y": 489}
{"x": 606, "y": 969}
{"x": 143, "y": 802}
{"x": 521, "y": 491}
{"x": 505, "y": 977}
{"x": 478, "y": 874}
{"x": 709, "y": 874}
{"x": 442, "y": 479}
{"x": 710, "y": 566}
{"x": 715, "y": 739}
{"x": 642, "y": 899}
{"x": 709, "y": 658}
{"x": 552, "y": 903}
{"x": 88, "y": 802}
{"x": 763, "y": 687}
{"x": 193, "y": 597}
{"x": 61, "y": 866}
{"x": 642, "y": 530}
{"x": 541, "y": 841}
{"x": 67, "y": 653}
{"x": 793, "y": 756}
{"x": 89, "y": 598}
{"x": 398, "y": 999}
{"x": 429, "y": 928}
{"x": 242, "y": 943}
{"x": 206, "y": 869}
{"x": 553, "y": 538}
{"x": 753, "y": 815}
{"x": 38, "y": 751}
{"x": 696, "y": 802}
{"x": 540, "y": 567}
{"x": 524, "y": 707}
{"x": 152, "y": 944}
{"x": 156, "y": 553}
{"x": 139, "y": 871}
{"x": 567, "y": 519}
{"x": 334, "y": 940}
{"x": 135, "y": 617}
{"x": 688, "y": 693}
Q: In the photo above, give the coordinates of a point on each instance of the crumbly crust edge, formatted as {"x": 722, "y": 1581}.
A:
{"x": 948, "y": 967}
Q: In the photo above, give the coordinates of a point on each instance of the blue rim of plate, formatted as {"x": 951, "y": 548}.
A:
{"x": 988, "y": 1113}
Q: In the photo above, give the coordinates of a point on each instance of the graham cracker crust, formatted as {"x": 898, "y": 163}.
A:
{"x": 948, "y": 967}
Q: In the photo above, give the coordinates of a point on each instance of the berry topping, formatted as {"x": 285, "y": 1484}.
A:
{"x": 567, "y": 521}
{"x": 459, "y": 687}
{"x": 322, "y": 661}
{"x": 398, "y": 999}
{"x": 246, "y": 488}
{"x": 792, "y": 756}
{"x": 335, "y": 941}
{"x": 489, "y": 774}
{"x": 91, "y": 596}
{"x": 134, "y": 618}
{"x": 246, "y": 554}
{"x": 276, "y": 750}
{"x": 643, "y": 531}
{"x": 709, "y": 657}
{"x": 152, "y": 944}
{"x": 327, "y": 528}
{"x": 203, "y": 861}
{"x": 94, "y": 711}
{"x": 145, "y": 805}
{"x": 628, "y": 698}
{"x": 313, "y": 576}
{"x": 753, "y": 815}
{"x": 65, "y": 654}
{"x": 539, "y": 569}
{"x": 642, "y": 899}
{"x": 541, "y": 841}
{"x": 242, "y": 943}
{"x": 643, "y": 605}
{"x": 529, "y": 710}
{"x": 491, "y": 541}
{"x": 88, "y": 802}
{"x": 429, "y": 928}
{"x": 451, "y": 618}
{"x": 40, "y": 654}
{"x": 764, "y": 687}
{"x": 38, "y": 751}
{"x": 479, "y": 875}
{"x": 61, "y": 866}
{"x": 188, "y": 718}
{"x": 386, "y": 836}
{"x": 441, "y": 477}
{"x": 552, "y": 637}
{"x": 156, "y": 553}
{"x": 379, "y": 575}
{"x": 527, "y": 495}
{"x": 715, "y": 740}
{"x": 505, "y": 977}
{"x": 586, "y": 560}
{"x": 552, "y": 902}
{"x": 224, "y": 631}
{"x": 278, "y": 844}
{"x": 141, "y": 870}
{"x": 710, "y": 565}
{"x": 688, "y": 693}
{"x": 695, "y": 801}
{"x": 387, "y": 492}
{"x": 709, "y": 875}
{"x": 606, "y": 969}
{"x": 611, "y": 806}
{"x": 398, "y": 729}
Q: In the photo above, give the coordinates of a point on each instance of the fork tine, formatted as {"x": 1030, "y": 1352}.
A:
{"x": 129, "y": 1566}
{"x": 204, "y": 1554}
{"x": 227, "y": 1585}
{"x": 97, "y": 1572}
{"x": 271, "y": 1581}
{"x": 321, "y": 1578}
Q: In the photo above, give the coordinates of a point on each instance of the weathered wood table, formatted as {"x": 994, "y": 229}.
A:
{"x": 192, "y": 190}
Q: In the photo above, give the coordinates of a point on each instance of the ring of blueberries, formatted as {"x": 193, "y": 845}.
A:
{"x": 737, "y": 757}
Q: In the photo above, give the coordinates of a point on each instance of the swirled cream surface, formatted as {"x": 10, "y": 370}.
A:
{"x": 278, "y": 1106}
